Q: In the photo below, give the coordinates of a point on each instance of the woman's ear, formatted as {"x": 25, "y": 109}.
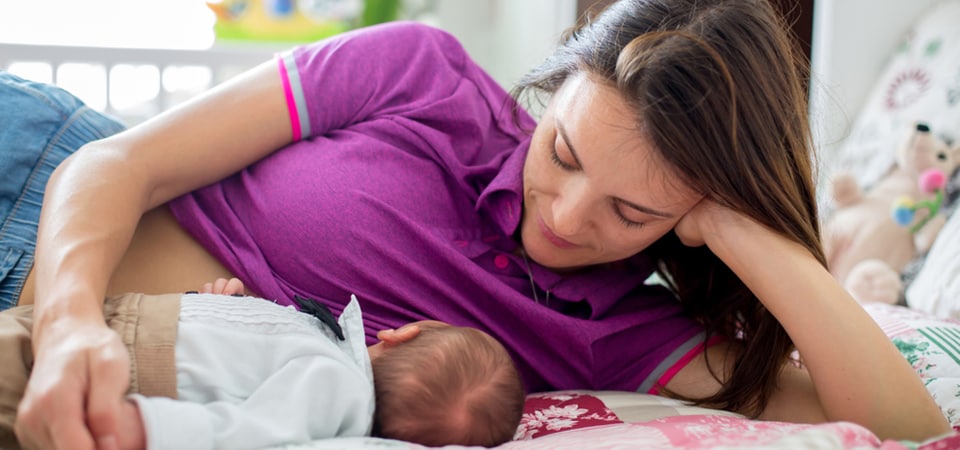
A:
{"x": 398, "y": 336}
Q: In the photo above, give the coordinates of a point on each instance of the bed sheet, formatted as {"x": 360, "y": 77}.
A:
{"x": 580, "y": 420}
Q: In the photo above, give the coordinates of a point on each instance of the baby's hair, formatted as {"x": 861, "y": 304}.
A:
{"x": 448, "y": 385}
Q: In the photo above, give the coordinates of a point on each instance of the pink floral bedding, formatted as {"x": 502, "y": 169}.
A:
{"x": 581, "y": 421}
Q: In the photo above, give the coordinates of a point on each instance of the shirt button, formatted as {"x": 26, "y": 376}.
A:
{"x": 501, "y": 261}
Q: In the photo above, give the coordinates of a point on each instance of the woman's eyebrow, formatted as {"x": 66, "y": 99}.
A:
{"x": 644, "y": 209}
{"x": 573, "y": 152}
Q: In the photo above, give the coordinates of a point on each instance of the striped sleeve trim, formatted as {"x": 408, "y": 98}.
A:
{"x": 296, "y": 100}
{"x": 678, "y": 359}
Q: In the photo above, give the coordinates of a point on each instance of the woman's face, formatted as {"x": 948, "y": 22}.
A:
{"x": 594, "y": 188}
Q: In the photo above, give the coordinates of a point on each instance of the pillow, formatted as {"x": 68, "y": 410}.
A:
{"x": 910, "y": 272}
{"x": 921, "y": 82}
{"x": 932, "y": 346}
{"x": 547, "y": 413}
{"x": 936, "y": 287}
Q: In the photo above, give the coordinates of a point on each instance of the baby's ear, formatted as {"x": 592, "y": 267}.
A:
{"x": 400, "y": 335}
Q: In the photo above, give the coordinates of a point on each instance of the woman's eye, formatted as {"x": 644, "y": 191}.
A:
{"x": 624, "y": 220}
{"x": 559, "y": 143}
{"x": 559, "y": 162}
{"x": 627, "y": 222}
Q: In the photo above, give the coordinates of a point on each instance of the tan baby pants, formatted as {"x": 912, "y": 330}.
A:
{"x": 147, "y": 325}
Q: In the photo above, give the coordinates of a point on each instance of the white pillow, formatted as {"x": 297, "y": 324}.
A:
{"x": 920, "y": 83}
{"x": 936, "y": 288}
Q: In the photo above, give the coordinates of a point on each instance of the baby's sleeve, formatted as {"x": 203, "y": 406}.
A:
{"x": 311, "y": 397}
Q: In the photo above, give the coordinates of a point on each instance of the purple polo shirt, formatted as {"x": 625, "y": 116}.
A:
{"x": 405, "y": 189}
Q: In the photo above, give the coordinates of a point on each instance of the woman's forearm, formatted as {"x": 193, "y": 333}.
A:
{"x": 85, "y": 225}
{"x": 91, "y": 208}
{"x": 95, "y": 199}
{"x": 858, "y": 373}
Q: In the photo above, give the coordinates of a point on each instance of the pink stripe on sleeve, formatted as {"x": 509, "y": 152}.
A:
{"x": 682, "y": 362}
{"x": 291, "y": 103}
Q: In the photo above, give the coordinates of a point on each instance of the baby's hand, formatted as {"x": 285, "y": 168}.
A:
{"x": 132, "y": 436}
{"x": 224, "y": 286}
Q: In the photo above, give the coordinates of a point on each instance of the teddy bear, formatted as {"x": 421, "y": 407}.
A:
{"x": 872, "y": 234}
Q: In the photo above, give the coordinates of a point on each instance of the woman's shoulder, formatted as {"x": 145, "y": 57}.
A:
{"x": 399, "y": 40}
{"x": 409, "y": 29}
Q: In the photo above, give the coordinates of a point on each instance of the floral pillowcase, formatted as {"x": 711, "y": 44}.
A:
{"x": 932, "y": 346}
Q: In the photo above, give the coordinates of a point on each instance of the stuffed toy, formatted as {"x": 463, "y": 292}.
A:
{"x": 873, "y": 234}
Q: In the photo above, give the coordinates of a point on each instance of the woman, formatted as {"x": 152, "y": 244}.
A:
{"x": 385, "y": 163}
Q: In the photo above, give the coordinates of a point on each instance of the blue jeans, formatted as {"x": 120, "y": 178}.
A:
{"x": 40, "y": 125}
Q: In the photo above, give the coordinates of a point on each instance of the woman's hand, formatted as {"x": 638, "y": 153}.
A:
{"x": 704, "y": 221}
{"x": 81, "y": 371}
{"x": 91, "y": 207}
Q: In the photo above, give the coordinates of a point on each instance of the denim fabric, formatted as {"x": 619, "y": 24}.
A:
{"x": 40, "y": 125}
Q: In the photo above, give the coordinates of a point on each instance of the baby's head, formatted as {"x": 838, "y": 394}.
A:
{"x": 447, "y": 385}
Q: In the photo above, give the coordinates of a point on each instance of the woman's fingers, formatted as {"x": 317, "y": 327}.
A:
{"x": 69, "y": 434}
{"x": 63, "y": 428}
{"x": 51, "y": 415}
{"x": 103, "y": 407}
{"x": 707, "y": 221}
{"x": 688, "y": 229}
{"x": 76, "y": 369}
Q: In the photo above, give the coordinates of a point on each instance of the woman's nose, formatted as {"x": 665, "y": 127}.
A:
{"x": 571, "y": 210}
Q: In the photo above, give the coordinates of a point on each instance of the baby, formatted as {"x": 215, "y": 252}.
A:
{"x": 210, "y": 370}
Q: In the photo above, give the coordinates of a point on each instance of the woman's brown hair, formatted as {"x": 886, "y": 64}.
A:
{"x": 718, "y": 87}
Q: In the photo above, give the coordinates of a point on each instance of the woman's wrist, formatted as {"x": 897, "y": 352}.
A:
{"x": 60, "y": 313}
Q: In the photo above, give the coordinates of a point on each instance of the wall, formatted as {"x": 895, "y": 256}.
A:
{"x": 851, "y": 42}
{"x": 507, "y": 37}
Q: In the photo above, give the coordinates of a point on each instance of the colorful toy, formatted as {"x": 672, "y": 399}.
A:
{"x": 866, "y": 246}
{"x": 296, "y": 20}
{"x": 932, "y": 181}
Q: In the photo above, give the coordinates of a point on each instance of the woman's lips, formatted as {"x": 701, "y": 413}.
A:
{"x": 553, "y": 238}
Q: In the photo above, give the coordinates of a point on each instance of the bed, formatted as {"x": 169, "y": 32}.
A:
{"x": 858, "y": 64}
